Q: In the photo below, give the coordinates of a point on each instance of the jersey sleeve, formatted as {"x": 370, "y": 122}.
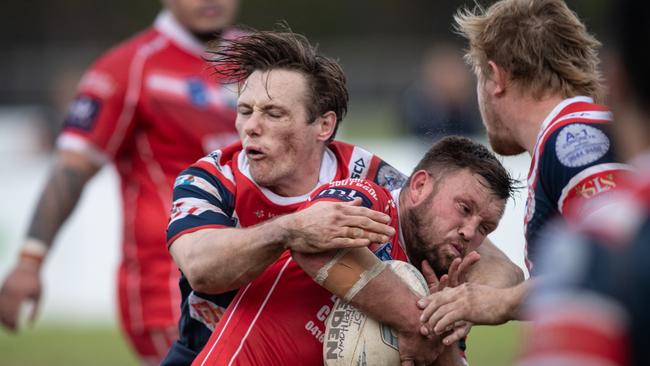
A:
{"x": 99, "y": 119}
{"x": 579, "y": 164}
{"x": 372, "y": 196}
{"x": 200, "y": 200}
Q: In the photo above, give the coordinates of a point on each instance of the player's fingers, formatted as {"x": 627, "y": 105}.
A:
{"x": 470, "y": 259}
{"x": 443, "y": 312}
{"x": 357, "y": 210}
{"x": 430, "y": 276}
{"x": 339, "y": 243}
{"x": 433, "y": 303}
{"x": 453, "y": 272}
{"x": 35, "y": 307}
{"x": 367, "y": 224}
{"x": 444, "y": 282}
{"x": 456, "y": 335}
{"x": 445, "y": 319}
{"x": 9, "y": 313}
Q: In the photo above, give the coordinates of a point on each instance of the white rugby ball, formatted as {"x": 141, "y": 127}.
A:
{"x": 354, "y": 339}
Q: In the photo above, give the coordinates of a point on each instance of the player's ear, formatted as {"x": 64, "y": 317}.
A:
{"x": 498, "y": 78}
{"x": 419, "y": 186}
{"x": 326, "y": 124}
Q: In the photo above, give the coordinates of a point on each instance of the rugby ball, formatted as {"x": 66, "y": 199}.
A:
{"x": 354, "y": 339}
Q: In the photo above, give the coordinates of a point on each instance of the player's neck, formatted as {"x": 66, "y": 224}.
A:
{"x": 529, "y": 116}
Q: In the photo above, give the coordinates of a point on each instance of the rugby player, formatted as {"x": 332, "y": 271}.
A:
{"x": 149, "y": 107}
{"x": 452, "y": 201}
{"x": 227, "y": 224}
{"x": 593, "y": 309}
{"x": 538, "y": 88}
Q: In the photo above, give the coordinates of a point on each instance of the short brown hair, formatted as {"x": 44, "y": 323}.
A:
{"x": 541, "y": 43}
{"x": 453, "y": 153}
{"x": 237, "y": 59}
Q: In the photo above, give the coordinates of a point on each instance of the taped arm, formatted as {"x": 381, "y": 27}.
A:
{"x": 359, "y": 277}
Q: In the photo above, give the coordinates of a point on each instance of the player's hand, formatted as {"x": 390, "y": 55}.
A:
{"x": 22, "y": 284}
{"x": 416, "y": 350}
{"x": 451, "y": 309}
{"x": 332, "y": 225}
{"x": 456, "y": 276}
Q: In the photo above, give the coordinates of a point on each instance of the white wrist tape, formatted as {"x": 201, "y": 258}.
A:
{"x": 34, "y": 247}
{"x": 322, "y": 274}
{"x": 365, "y": 277}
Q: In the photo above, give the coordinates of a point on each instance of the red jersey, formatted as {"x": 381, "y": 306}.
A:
{"x": 152, "y": 107}
{"x": 279, "y": 318}
{"x": 218, "y": 192}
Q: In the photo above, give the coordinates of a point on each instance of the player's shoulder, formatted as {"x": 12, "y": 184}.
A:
{"x": 219, "y": 165}
{"x": 345, "y": 190}
{"x": 123, "y": 53}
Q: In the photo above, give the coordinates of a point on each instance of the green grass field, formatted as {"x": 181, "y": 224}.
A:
{"x": 98, "y": 346}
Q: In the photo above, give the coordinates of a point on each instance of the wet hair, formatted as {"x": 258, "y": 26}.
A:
{"x": 541, "y": 44}
{"x": 454, "y": 153}
{"x": 235, "y": 60}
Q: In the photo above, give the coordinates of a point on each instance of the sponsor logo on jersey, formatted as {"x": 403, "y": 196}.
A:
{"x": 579, "y": 144}
{"x": 384, "y": 251}
{"x": 389, "y": 177}
{"x": 83, "y": 113}
{"x": 197, "y": 92}
{"x": 344, "y": 194}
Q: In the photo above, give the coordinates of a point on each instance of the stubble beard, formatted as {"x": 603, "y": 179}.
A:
{"x": 417, "y": 245}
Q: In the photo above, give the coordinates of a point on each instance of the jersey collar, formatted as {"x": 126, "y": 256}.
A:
{"x": 327, "y": 174}
{"x": 168, "y": 25}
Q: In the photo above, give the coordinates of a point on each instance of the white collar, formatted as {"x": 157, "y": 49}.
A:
{"x": 327, "y": 174}
{"x": 558, "y": 108}
{"x": 168, "y": 25}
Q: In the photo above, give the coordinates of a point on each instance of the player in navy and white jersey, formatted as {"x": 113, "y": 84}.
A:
{"x": 592, "y": 309}
{"x": 592, "y": 306}
{"x": 539, "y": 89}
{"x": 219, "y": 192}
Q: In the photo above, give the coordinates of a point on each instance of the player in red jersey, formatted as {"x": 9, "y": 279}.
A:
{"x": 455, "y": 197}
{"x": 538, "y": 84}
{"x": 149, "y": 106}
{"x": 592, "y": 309}
{"x": 233, "y": 210}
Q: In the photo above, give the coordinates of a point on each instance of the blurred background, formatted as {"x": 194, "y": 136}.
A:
{"x": 407, "y": 84}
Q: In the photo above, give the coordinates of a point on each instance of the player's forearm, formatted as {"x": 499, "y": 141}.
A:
{"x": 62, "y": 191}
{"x": 383, "y": 295}
{"x": 514, "y": 299}
{"x": 219, "y": 260}
{"x": 495, "y": 268}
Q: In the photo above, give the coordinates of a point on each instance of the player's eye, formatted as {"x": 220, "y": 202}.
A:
{"x": 244, "y": 111}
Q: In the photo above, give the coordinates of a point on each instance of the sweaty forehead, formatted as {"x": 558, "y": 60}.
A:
{"x": 278, "y": 86}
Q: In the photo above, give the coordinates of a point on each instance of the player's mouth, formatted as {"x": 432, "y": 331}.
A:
{"x": 254, "y": 153}
{"x": 211, "y": 11}
{"x": 456, "y": 248}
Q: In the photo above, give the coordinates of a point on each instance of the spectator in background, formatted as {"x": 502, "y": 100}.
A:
{"x": 151, "y": 107}
{"x": 592, "y": 308}
{"x": 442, "y": 100}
